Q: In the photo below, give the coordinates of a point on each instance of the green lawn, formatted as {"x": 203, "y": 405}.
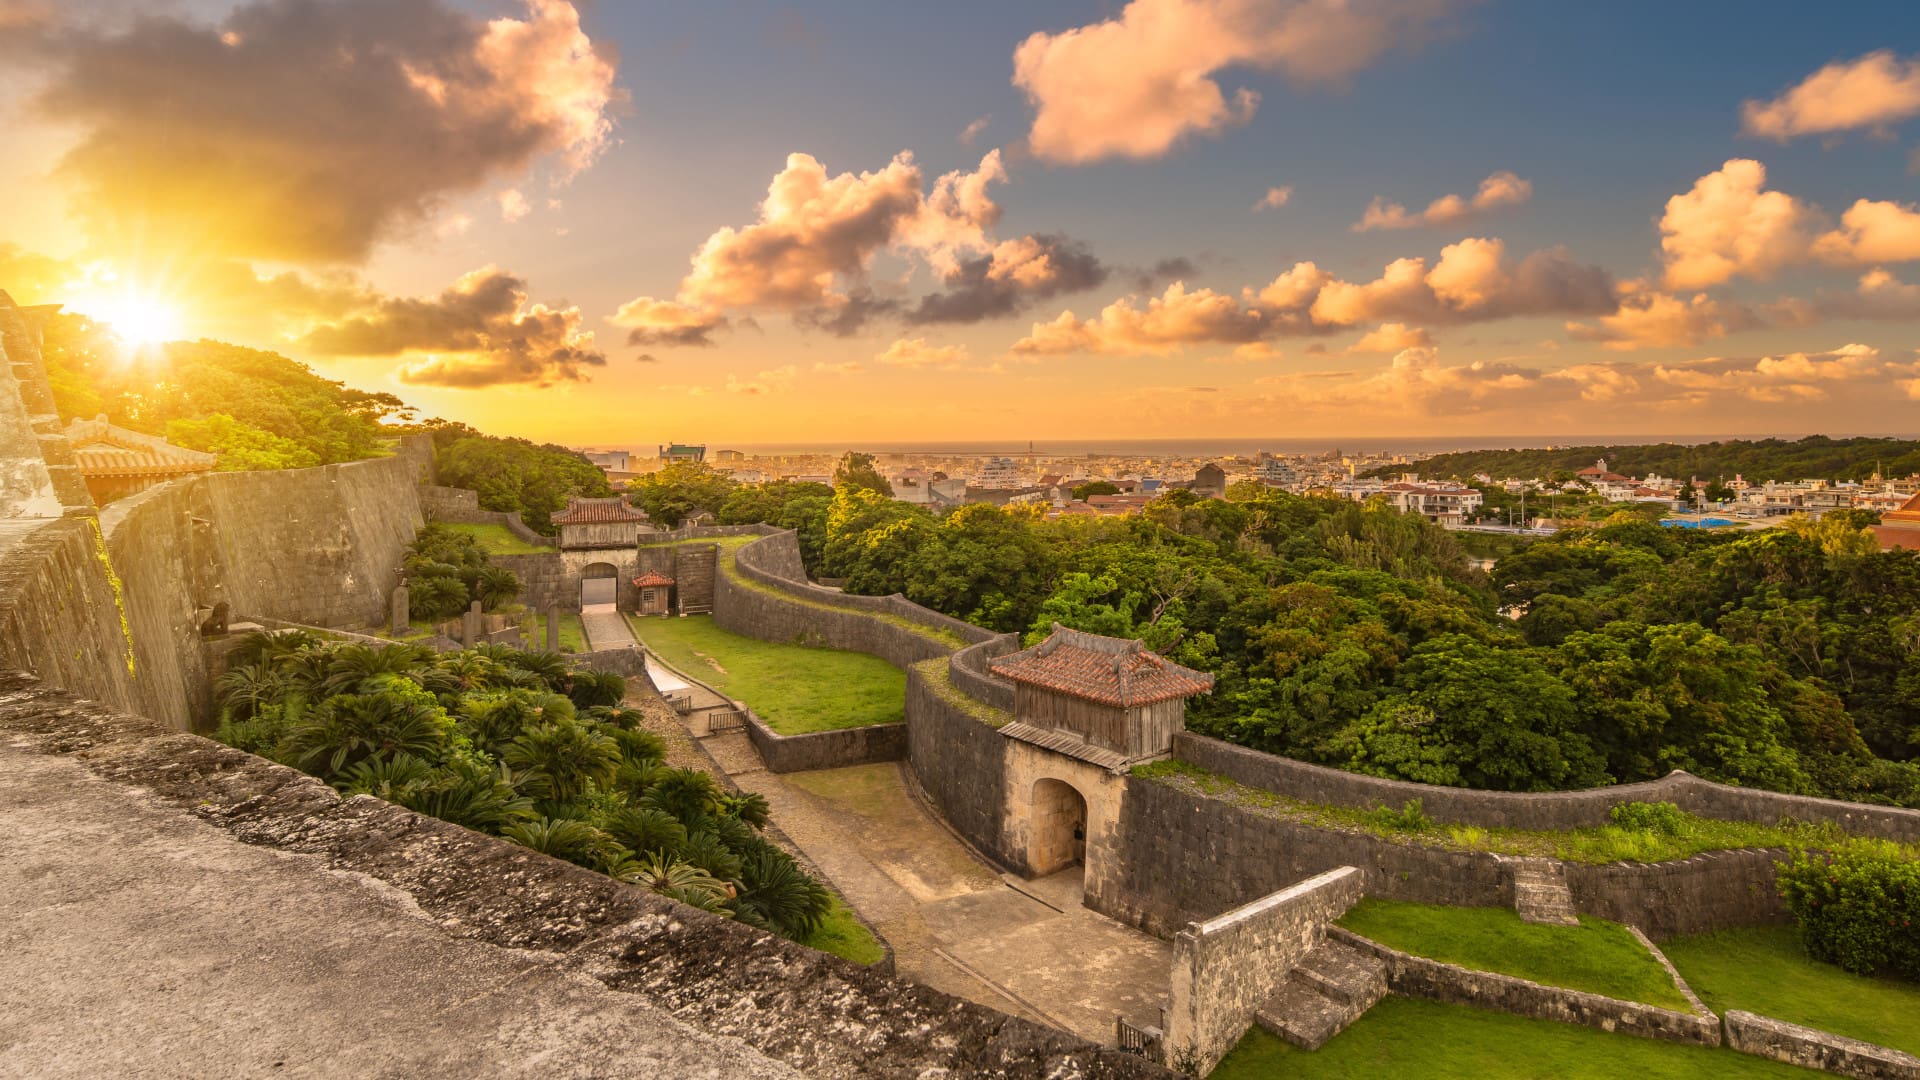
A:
{"x": 794, "y": 689}
{"x": 498, "y": 540}
{"x": 573, "y": 635}
{"x": 1764, "y": 970}
{"x": 1405, "y": 1039}
{"x": 844, "y": 936}
{"x": 1597, "y": 956}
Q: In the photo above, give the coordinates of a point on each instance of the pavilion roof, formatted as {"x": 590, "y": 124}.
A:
{"x": 597, "y": 512}
{"x": 102, "y": 449}
{"x": 1111, "y": 671}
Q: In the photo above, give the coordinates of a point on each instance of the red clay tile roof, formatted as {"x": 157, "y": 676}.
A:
{"x": 1112, "y": 671}
{"x": 101, "y": 449}
{"x": 650, "y": 579}
{"x": 598, "y": 512}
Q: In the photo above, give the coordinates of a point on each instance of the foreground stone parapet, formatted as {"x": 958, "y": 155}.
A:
{"x": 1816, "y": 1049}
{"x": 177, "y": 907}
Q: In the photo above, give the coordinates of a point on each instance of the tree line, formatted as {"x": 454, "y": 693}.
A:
{"x": 1816, "y": 457}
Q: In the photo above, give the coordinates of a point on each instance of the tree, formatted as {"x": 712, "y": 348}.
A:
{"x": 241, "y": 447}
{"x": 1095, "y": 487}
{"x": 855, "y": 470}
{"x": 514, "y": 475}
{"x": 679, "y": 489}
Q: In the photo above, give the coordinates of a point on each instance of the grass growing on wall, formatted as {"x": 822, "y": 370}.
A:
{"x": 1597, "y": 956}
{"x": 939, "y": 679}
{"x": 1764, "y": 970}
{"x": 795, "y": 689}
{"x": 1405, "y": 1039}
{"x": 844, "y": 936}
{"x": 498, "y": 539}
{"x": 1598, "y": 845}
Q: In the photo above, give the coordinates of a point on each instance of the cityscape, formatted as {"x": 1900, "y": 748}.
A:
{"x": 1044, "y": 540}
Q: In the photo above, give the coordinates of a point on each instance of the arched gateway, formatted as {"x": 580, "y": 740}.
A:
{"x": 599, "y": 584}
{"x": 1059, "y": 827}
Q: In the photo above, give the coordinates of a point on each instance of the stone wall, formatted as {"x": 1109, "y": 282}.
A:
{"x": 959, "y": 761}
{"x": 462, "y": 506}
{"x": 543, "y": 580}
{"x": 1814, "y": 1049}
{"x": 1534, "y": 810}
{"x": 1228, "y": 966}
{"x": 1188, "y": 857}
{"x": 1710, "y": 891}
{"x": 826, "y": 749}
{"x": 1420, "y": 977}
{"x": 695, "y": 566}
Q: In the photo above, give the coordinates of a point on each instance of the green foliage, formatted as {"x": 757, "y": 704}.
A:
{"x": 1410, "y": 818}
{"x": 1758, "y": 460}
{"x": 488, "y": 738}
{"x": 258, "y": 410}
{"x": 857, "y": 471}
{"x": 447, "y": 569}
{"x": 1661, "y": 817}
{"x": 679, "y": 489}
{"x": 1095, "y": 487}
{"x": 1858, "y": 906}
{"x": 515, "y": 475}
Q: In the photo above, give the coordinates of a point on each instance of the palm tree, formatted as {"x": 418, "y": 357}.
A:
{"x": 243, "y": 691}
{"x": 549, "y": 666}
{"x": 386, "y": 776}
{"x": 474, "y": 795}
{"x": 646, "y": 830}
{"x": 559, "y": 759}
{"x": 676, "y": 879}
{"x": 596, "y": 689}
{"x": 263, "y": 646}
{"x": 495, "y": 718}
{"x": 457, "y": 673}
{"x": 349, "y": 727}
{"x": 352, "y": 665}
{"x": 688, "y": 794}
{"x": 575, "y": 841}
{"x": 775, "y": 893}
{"x": 494, "y": 586}
{"x": 750, "y": 807}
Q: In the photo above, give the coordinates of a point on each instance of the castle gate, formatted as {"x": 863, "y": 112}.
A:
{"x": 599, "y": 584}
{"x": 1057, "y": 835}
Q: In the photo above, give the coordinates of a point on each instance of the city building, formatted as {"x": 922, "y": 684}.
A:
{"x": 673, "y": 452}
{"x": 610, "y": 460}
{"x": 998, "y": 472}
{"x": 1900, "y": 528}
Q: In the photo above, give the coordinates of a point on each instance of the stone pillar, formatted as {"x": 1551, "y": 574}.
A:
{"x": 401, "y": 622}
{"x": 470, "y": 625}
{"x": 553, "y": 628}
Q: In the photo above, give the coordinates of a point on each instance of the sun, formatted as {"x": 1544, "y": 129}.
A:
{"x": 138, "y": 320}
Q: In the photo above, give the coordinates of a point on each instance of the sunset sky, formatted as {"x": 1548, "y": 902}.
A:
{"x": 610, "y": 223}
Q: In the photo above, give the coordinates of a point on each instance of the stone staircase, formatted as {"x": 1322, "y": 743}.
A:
{"x": 1540, "y": 892}
{"x": 1331, "y": 988}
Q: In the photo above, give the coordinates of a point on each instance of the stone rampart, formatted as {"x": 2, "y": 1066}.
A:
{"x": 820, "y": 1015}
{"x": 543, "y": 580}
{"x": 1420, "y": 977}
{"x": 1714, "y": 890}
{"x": 1552, "y": 810}
{"x": 462, "y": 506}
{"x": 959, "y": 760}
{"x": 826, "y": 749}
{"x": 1811, "y": 1048}
{"x": 1226, "y": 967}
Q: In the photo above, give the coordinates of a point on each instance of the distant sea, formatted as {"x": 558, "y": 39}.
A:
{"x": 1412, "y": 446}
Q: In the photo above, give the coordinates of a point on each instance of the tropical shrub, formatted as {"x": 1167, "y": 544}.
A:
{"x": 1858, "y": 906}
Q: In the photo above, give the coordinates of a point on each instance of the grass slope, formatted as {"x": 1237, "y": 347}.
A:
{"x": 843, "y": 935}
{"x": 1597, "y": 956}
{"x": 1764, "y": 970}
{"x": 498, "y": 540}
{"x": 794, "y": 689}
{"x": 1405, "y": 1039}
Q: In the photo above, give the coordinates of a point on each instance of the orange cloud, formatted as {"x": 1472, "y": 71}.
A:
{"x": 1875, "y": 92}
{"x": 1873, "y": 231}
{"x": 1136, "y": 84}
{"x": 1648, "y": 320}
{"x": 312, "y": 132}
{"x": 1501, "y": 189}
{"x": 916, "y": 353}
{"x": 1728, "y": 225}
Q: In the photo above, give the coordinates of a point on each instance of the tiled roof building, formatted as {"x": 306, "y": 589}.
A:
{"x": 1900, "y": 528}
{"x": 599, "y": 523}
{"x": 1120, "y": 701}
{"x": 117, "y": 462}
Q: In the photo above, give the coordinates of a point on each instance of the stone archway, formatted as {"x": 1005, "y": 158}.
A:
{"x": 1058, "y": 827}
{"x": 599, "y": 585}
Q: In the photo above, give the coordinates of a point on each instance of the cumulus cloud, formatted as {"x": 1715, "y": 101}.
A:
{"x": 916, "y": 353}
{"x": 1392, "y": 338}
{"x": 973, "y": 129}
{"x": 1652, "y": 319}
{"x": 1136, "y": 84}
{"x": 1879, "y": 295}
{"x": 1874, "y": 92}
{"x": 1274, "y": 199}
{"x": 1501, "y": 189}
{"x": 1873, "y": 231}
{"x": 309, "y": 132}
{"x": 1729, "y": 225}
{"x": 771, "y": 381}
{"x": 479, "y": 332}
{"x": 811, "y": 251}
{"x": 1471, "y": 281}
{"x": 1790, "y": 377}
{"x": 513, "y": 205}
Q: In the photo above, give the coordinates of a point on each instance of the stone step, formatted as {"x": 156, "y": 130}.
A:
{"x": 1540, "y": 893}
{"x": 1330, "y": 988}
{"x": 1344, "y": 974}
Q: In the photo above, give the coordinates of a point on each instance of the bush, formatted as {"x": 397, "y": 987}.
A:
{"x": 1858, "y": 906}
{"x": 1410, "y": 818}
{"x": 1663, "y": 818}
{"x": 436, "y": 598}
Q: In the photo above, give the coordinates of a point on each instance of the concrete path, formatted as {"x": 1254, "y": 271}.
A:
{"x": 139, "y": 941}
{"x": 606, "y": 628}
{"x": 953, "y": 922}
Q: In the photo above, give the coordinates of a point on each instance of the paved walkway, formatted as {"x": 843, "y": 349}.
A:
{"x": 606, "y": 628}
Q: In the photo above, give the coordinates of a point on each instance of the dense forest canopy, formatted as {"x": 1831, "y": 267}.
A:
{"x": 1358, "y": 637}
{"x": 534, "y": 479}
{"x": 1815, "y": 457}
